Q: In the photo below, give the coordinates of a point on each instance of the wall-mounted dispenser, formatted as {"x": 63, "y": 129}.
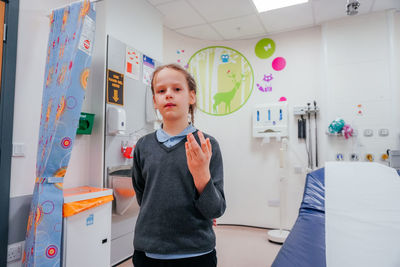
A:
{"x": 270, "y": 120}
{"x": 85, "y": 123}
{"x": 116, "y": 120}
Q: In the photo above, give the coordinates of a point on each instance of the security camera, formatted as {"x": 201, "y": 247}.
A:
{"x": 352, "y": 7}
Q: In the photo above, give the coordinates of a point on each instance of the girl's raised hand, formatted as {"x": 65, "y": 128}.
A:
{"x": 198, "y": 159}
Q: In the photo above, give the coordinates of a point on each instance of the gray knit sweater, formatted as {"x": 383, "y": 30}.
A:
{"x": 173, "y": 217}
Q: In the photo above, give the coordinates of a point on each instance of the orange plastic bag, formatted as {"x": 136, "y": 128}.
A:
{"x": 125, "y": 192}
{"x": 76, "y": 207}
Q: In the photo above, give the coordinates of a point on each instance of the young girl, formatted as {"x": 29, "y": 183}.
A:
{"x": 178, "y": 179}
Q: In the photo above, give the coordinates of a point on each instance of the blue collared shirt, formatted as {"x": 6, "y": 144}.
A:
{"x": 170, "y": 141}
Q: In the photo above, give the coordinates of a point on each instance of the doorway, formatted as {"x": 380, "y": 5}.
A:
{"x": 9, "y": 11}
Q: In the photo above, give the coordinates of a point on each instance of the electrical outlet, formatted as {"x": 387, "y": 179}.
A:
{"x": 14, "y": 252}
{"x": 354, "y": 157}
{"x": 368, "y": 132}
{"x": 369, "y": 157}
{"x": 274, "y": 203}
{"x": 339, "y": 157}
{"x": 298, "y": 169}
{"x": 18, "y": 150}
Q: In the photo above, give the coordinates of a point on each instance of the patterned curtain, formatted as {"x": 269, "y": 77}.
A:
{"x": 68, "y": 60}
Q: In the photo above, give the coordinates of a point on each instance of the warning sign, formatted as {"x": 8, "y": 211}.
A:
{"x": 87, "y": 36}
{"x": 115, "y": 88}
{"x": 86, "y": 44}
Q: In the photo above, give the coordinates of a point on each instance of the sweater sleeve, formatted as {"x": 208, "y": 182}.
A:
{"x": 137, "y": 178}
{"x": 211, "y": 202}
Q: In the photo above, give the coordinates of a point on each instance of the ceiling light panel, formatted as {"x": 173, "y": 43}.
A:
{"x": 267, "y": 5}
{"x": 290, "y": 18}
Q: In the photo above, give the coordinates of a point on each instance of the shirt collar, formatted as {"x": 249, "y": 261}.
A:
{"x": 162, "y": 136}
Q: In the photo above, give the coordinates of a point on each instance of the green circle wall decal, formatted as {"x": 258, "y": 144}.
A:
{"x": 224, "y": 79}
{"x": 265, "y": 48}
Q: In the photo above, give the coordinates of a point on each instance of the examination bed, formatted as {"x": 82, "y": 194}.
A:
{"x": 305, "y": 245}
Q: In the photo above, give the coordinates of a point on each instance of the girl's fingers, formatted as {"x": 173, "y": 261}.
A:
{"x": 199, "y": 151}
{"x": 188, "y": 154}
{"x": 203, "y": 142}
{"x": 194, "y": 146}
{"x": 209, "y": 146}
{"x": 192, "y": 156}
{"x": 191, "y": 139}
{"x": 201, "y": 137}
{"x": 204, "y": 148}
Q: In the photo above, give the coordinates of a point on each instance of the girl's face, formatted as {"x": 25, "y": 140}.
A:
{"x": 172, "y": 96}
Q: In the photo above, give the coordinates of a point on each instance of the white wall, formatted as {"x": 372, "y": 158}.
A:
{"x": 136, "y": 23}
{"x": 360, "y": 68}
{"x": 252, "y": 170}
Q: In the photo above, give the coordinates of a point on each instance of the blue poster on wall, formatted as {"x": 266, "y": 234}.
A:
{"x": 148, "y": 68}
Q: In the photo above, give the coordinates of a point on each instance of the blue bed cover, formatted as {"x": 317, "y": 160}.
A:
{"x": 305, "y": 245}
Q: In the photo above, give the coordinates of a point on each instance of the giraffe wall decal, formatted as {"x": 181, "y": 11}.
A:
{"x": 226, "y": 97}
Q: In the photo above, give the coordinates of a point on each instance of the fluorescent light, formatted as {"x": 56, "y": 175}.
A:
{"x": 266, "y": 5}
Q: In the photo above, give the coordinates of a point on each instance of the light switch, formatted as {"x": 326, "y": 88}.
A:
{"x": 18, "y": 150}
{"x": 368, "y": 132}
{"x": 383, "y": 132}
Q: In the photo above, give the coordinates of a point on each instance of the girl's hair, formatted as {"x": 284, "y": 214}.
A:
{"x": 189, "y": 79}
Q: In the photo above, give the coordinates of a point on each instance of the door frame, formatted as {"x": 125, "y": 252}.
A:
{"x": 9, "y": 63}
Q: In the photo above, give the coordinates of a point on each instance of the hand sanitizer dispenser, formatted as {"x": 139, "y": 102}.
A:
{"x": 116, "y": 120}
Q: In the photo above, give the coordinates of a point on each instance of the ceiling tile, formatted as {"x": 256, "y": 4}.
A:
{"x": 158, "y": 2}
{"x": 179, "y": 14}
{"x": 294, "y": 17}
{"x": 214, "y": 10}
{"x": 205, "y": 32}
{"x": 325, "y": 10}
{"x": 190, "y": 17}
{"x": 366, "y": 6}
{"x": 252, "y": 36}
{"x": 239, "y": 27}
{"x": 385, "y": 4}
